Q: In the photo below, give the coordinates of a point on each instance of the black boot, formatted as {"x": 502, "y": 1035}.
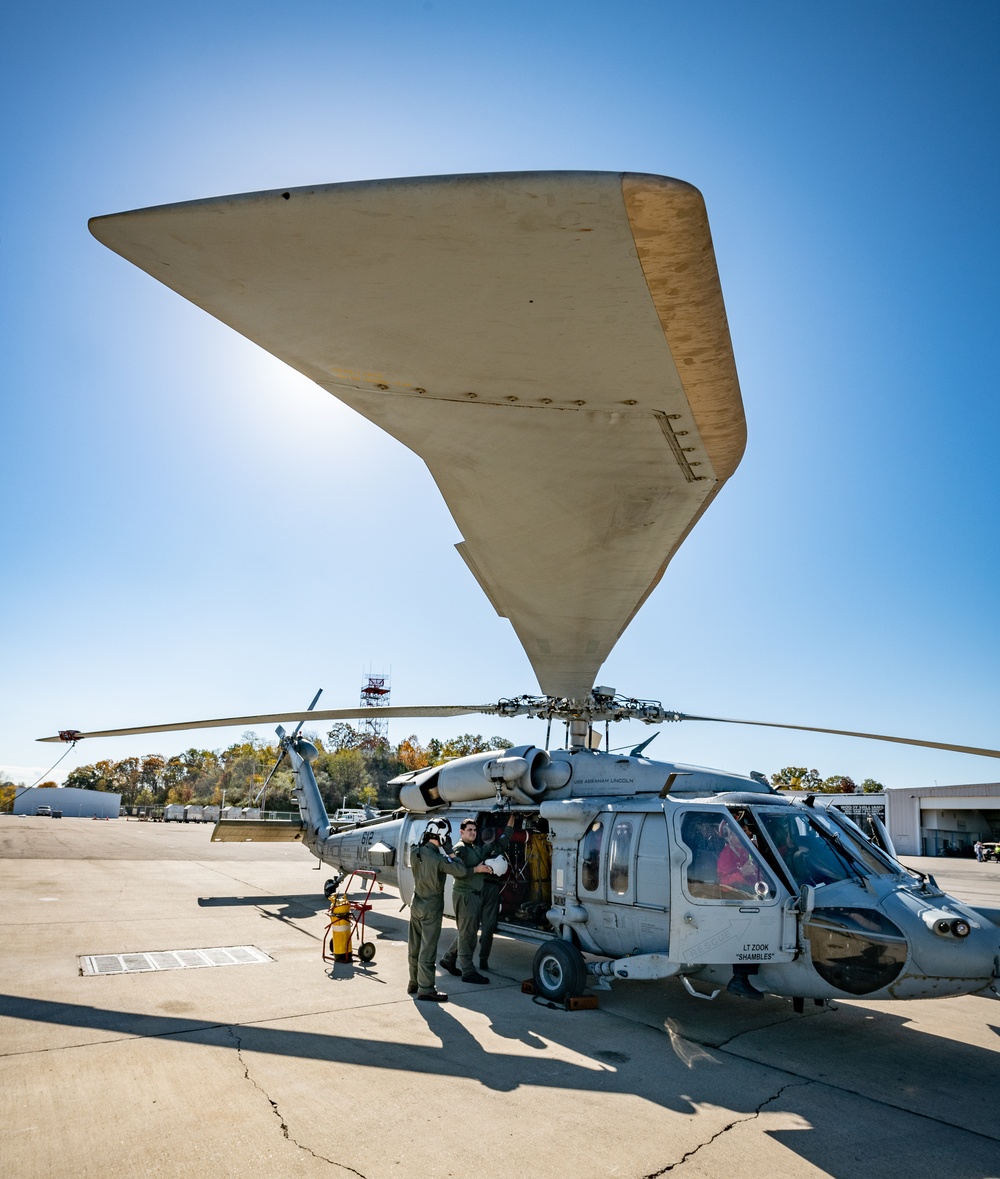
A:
{"x": 740, "y": 985}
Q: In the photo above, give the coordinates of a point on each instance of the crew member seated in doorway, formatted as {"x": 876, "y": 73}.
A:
{"x": 431, "y": 864}
{"x": 736, "y": 867}
{"x": 739, "y": 876}
{"x": 468, "y": 894}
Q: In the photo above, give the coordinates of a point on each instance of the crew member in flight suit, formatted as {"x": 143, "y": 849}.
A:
{"x": 468, "y": 895}
{"x": 490, "y": 916}
{"x": 430, "y": 866}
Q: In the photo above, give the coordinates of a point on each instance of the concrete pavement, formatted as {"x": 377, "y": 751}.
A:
{"x": 293, "y": 1068}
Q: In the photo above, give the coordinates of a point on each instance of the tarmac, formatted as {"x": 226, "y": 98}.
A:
{"x": 291, "y": 1067}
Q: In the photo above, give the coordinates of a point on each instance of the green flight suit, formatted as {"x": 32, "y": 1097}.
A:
{"x": 468, "y": 896}
{"x": 430, "y": 866}
{"x": 489, "y": 917}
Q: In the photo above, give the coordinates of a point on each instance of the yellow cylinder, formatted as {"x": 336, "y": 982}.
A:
{"x": 538, "y": 858}
{"x": 340, "y": 928}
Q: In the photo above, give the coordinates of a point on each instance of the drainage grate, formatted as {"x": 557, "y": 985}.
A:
{"x": 171, "y": 960}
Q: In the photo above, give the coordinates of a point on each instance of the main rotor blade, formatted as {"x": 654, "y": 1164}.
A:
{"x": 726, "y": 720}
{"x": 328, "y": 714}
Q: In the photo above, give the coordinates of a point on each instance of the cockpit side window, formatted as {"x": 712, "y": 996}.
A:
{"x": 590, "y": 861}
{"x": 724, "y": 863}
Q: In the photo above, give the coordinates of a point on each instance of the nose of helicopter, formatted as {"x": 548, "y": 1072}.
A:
{"x": 906, "y": 947}
{"x": 952, "y": 949}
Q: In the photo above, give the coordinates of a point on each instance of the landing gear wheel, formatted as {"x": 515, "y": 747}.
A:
{"x": 558, "y": 970}
{"x": 366, "y": 951}
{"x": 329, "y": 888}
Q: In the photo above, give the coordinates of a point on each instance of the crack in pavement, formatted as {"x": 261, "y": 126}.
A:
{"x": 785, "y": 1018}
{"x": 808, "y": 1080}
{"x": 725, "y": 1129}
{"x": 286, "y": 1133}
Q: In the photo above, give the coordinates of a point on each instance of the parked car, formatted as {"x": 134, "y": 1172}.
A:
{"x": 44, "y": 811}
{"x": 350, "y": 815}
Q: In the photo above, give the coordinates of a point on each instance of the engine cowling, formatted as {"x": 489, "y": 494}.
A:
{"x": 524, "y": 775}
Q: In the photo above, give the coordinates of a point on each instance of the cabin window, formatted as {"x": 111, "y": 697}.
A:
{"x": 619, "y": 856}
{"x": 590, "y": 863}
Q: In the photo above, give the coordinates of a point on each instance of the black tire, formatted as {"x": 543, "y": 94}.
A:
{"x": 329, "y": 888}
{"x": 366, "y": 951}
{"x": 558, "y": 970}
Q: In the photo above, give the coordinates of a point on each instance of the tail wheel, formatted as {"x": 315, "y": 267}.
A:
{"x": 366, "y": 951}
{"x": 558, "y": 970}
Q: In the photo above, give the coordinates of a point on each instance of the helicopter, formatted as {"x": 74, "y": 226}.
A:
{"x": 554, "y": 346}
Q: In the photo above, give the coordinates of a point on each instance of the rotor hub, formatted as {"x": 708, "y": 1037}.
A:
{"x": 603, "y": 704}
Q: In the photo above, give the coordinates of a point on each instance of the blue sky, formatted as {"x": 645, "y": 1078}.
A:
{"x": 190, "y": 529}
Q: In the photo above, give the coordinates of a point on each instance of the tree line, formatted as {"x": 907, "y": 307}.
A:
{"x": 352, "y": 769}
{"x": 799, "y": 778}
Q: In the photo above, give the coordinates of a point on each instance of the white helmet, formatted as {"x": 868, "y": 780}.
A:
{"x": 438, "y": 829}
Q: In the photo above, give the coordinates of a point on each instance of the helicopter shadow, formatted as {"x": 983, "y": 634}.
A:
{"x": 302, "y": 905}
{"x": 609, "y": 1056}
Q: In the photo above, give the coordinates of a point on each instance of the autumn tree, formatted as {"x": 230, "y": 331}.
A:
{"x": 797, "y": 778}
{"x": 870, "y": 786}
{"x": 411, "y": 754}
{"x": 126, "y": 774}
{"x": 84, "y": 778}
{"x": 463, "y": 745}
{"x": 340, "y": 775}
{"x": 8, "y": 792}
{"x": 839, "y": 784}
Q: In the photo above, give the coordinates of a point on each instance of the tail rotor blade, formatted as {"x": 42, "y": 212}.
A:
{"x": 309, "y": 709}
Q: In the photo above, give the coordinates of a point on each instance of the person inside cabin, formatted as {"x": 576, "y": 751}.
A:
{"x": 737, "y": 868}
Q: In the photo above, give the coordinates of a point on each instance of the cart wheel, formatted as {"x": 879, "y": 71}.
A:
{"x": 366, "y": 951}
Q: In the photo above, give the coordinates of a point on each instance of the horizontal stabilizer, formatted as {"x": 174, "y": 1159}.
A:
{"x": 258, "y": 831}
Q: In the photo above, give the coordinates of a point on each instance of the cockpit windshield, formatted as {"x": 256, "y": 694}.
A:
{"x": 875, "y": 860}
{"x": 809, "y": 845}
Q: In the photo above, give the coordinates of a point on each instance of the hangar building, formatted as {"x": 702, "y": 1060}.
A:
{"x": 929, "y": 820}
{"x": 73, "y": 803}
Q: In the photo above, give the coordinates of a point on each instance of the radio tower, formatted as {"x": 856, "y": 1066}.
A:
{"x": 374, "y": 729}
